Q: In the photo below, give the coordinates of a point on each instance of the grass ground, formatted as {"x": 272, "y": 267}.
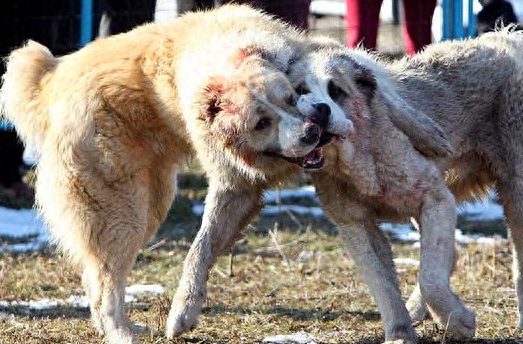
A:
{"x": 270, "y": 292}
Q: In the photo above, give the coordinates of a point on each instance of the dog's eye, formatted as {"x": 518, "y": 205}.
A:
{"x": 263, "y": 123}
{"x": 291, "y": 100}
{"x": 335, "y": 92}
{"x": 366, "y": 83}
{"x": 302, "y": 89}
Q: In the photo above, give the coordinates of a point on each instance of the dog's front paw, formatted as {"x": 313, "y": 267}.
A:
{"x": 183, "y": 317}
{"x": 401, "y": 333}
{"x": 460, "y": 324}
{"x": 121, "y": 336}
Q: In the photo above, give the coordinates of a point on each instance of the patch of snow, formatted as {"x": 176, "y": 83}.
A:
{"x": 296, "y": 338}
{"x": 22, "y": 223}
{"x": 496, "y": 239}
{"x": 271, "y": 196}
{"x": 464, "y": 239}
{"x": 480, "y": 211}
{"x": 406, "y": 261}
{"x": 403, "y": 232}
{"x": 274, "y": 210}
{"x": 81, "y": 302}
{"x": 27, "y": 247}
{"x": 144, "y": 288}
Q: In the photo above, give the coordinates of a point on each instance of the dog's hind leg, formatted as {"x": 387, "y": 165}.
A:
{"x": 417, "y": 306}
{"x": 101, "y": 226}
{"x": 106, "y": 269}
{"x": 93, "y": 292}
{"x": 437, "y": 222}
{"x": 227, "y": 212}
{"x": 510, "y": 177}
{"x": 511, "y": 196}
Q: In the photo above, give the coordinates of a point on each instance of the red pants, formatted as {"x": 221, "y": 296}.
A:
{"x": 362, "y": 20}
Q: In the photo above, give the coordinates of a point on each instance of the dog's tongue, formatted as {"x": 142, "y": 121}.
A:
{"x": 312, "y": 161}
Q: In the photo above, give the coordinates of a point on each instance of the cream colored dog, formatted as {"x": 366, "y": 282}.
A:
{"x": 113, "y": 122}
{"x": 473, "y": 90}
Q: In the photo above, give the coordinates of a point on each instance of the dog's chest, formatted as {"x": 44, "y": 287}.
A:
{"x": 393, "y": 187}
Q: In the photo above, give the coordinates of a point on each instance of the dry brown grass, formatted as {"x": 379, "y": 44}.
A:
{"x": 269, "y": 293}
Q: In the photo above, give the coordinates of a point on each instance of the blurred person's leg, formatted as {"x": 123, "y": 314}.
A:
{"x": 361, "y": 22}
{"x": 417, "y": 29}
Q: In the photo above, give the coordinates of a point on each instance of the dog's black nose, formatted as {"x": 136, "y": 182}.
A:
{"x": 311, "y": 134}
{"x": 321, "y": 115}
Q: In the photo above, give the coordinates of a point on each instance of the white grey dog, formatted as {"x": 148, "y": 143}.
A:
{"x": 473, "y": 90}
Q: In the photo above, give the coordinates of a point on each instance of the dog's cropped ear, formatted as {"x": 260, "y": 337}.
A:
{"x": 211, "y": 104}
{"x": 214, "y": 100}
{"x": 365, "y": 81}
{"x": 424, "y": 133}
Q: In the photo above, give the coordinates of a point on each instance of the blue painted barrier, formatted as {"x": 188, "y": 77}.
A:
{"x": 86, "y": 25}
{"x": 453, "y": 23}
{"x": 6, "y": 126}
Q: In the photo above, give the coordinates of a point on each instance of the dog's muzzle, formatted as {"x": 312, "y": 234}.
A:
{"x": 312, "y": 134}
{"x": 317, "y": 112}
{"x": 320, "y": 115}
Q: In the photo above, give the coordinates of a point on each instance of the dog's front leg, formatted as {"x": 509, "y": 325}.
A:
{"x": 227, "y": 212}
{"x": 437, "y": 221}
{"x": 372, "y": 254}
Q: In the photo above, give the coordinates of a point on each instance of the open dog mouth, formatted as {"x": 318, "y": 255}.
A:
{"x": 314, "y": 159}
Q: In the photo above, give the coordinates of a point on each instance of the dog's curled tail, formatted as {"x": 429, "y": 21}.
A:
{"x": 20, "y": 94}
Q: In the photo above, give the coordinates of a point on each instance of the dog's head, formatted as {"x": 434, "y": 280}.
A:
{"x": 357, "y": 87}
{"x": 252, "y": 113}
{"x": 327, "y": 75}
